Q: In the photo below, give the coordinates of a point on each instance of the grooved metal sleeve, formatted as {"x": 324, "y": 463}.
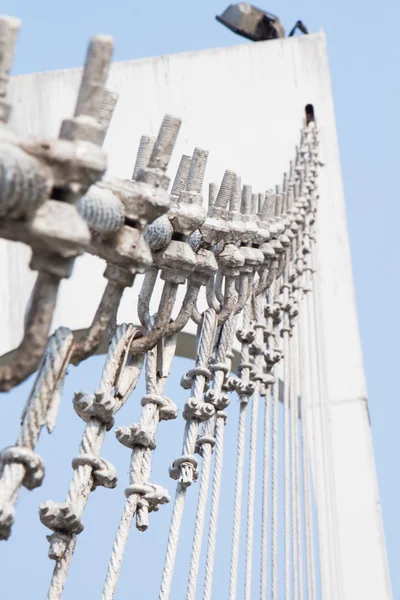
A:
{"x": 95, "y": 73}
{"x": 164, "y": 143}
{"x": 9, "y": 28}
{"x": 145, "y": 149}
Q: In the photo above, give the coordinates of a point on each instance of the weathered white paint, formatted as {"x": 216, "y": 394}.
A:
{"x": 245, "y": 104}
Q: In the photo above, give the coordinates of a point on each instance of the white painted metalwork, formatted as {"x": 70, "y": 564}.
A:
{"x": 271, "y": 267}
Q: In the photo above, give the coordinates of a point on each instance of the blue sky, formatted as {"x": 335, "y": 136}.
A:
{"x": 364, "y": 52}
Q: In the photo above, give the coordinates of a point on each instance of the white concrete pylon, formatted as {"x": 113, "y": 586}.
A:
{"x": 284, "y": 77}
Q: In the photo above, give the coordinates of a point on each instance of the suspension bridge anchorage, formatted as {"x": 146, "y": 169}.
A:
{"x": 253, "y": 286}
